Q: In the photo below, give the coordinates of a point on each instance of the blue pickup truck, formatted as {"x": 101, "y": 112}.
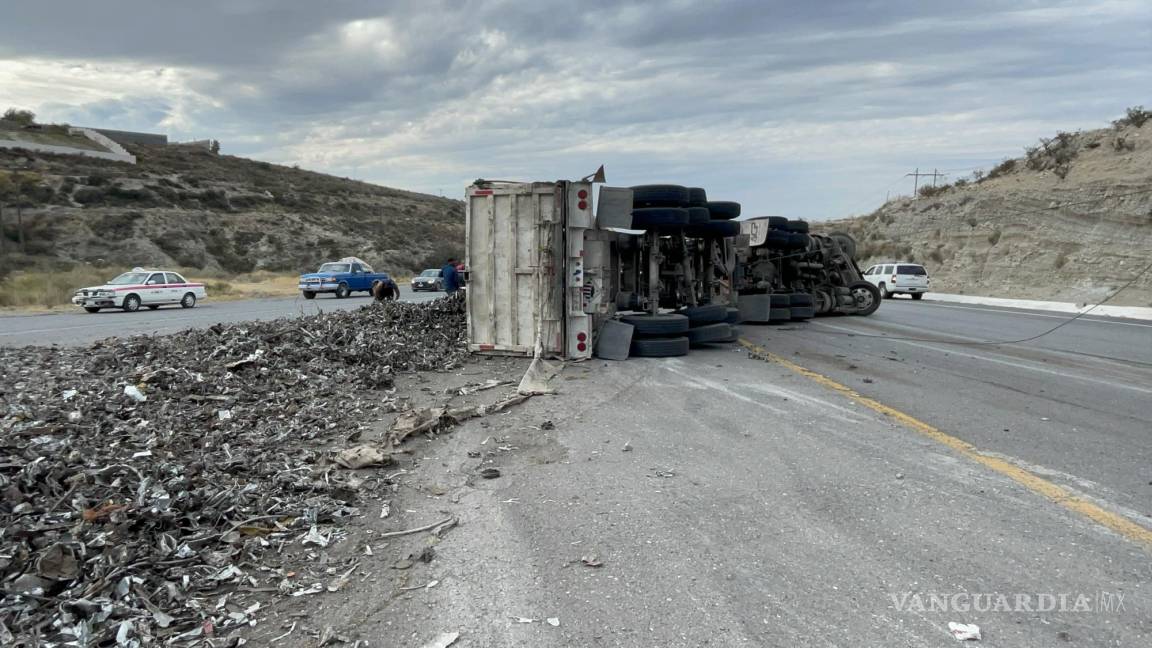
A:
{"x": 344, "y": 277}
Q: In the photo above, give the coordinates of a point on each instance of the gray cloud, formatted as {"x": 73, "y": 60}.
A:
{"x": 792, "y": 107}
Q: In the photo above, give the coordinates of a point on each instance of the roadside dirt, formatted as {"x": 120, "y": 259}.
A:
{"x": 437, "y": 480}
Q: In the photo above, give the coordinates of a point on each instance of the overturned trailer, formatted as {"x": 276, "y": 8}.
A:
{"x": 555, "y": 268}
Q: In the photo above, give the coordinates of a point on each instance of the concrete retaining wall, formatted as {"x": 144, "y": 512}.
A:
{"x": 68, "y": 150}
{"x": 132, "y": 137}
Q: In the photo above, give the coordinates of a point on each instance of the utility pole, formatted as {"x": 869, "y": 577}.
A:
{"x": 917, "y": 175}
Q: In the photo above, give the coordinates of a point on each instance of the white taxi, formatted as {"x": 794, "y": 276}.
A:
{"x": 141, "y": 287}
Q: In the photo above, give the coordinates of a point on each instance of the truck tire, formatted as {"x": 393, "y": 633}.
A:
{"x": 884, "y": 294}
{"x": 846, "y": 242}
{"x": 798, "y": 241}
{"x": 308, "y": 294}
{"x": 131, "y": 303}
{"x": 698, "y": 215}
{"x": 713, "y": 229}
{"x": 709, "y": 334}
{"x": 733, "y": 316}
{"x": 866, "y": 296}
{"x": 798, "y": 226}
{"x": 342, "y": 290}
{"x": 723, "y": 209}
{"x": 697, "y": 197}
{"x": 735, "y": 337}
{"x": 706, "y": 314}
{"x": 659, "y": 324}
{"x": 801, "y": 299}
{"x": 659, "y": 347}
{"x": 777, "y": 222}
{"x": 659, "y": 196}
{"x": 780, "y": 300}
{"x": 780, "y": 314}
{"x": 802, "y": 312}
{"x": 659, "y": 217}
{"x": 777, "y": 239}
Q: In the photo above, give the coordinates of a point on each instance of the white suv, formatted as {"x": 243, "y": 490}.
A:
{"x": 899, "y": 279}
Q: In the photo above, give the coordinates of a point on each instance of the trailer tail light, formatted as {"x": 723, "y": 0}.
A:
{"x": 582, "y": 194}
{"x": 581, "y": 336}
{"x": 581, "y": 347}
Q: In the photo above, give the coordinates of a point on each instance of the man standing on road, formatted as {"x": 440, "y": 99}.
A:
{"x": 450, "y": 276}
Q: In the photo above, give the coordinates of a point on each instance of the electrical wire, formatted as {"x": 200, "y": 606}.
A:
{"x": 1001, "y": 342}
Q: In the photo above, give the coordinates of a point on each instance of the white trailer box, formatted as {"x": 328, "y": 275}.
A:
{"x": 526, "y": 276}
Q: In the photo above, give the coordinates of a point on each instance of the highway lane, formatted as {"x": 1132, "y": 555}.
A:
{"x": 81, "y": 328}
{"x": 754, "y": 506}
{"x": 1074, "y": 405}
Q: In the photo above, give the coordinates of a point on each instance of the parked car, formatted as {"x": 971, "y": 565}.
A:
{"x": 141, "y": 287}
{"x": 896, "y": 278}
{"x": 431, "y": 279}
{"x": 342, "y": 278}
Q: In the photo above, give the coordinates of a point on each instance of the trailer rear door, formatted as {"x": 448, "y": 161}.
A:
{"x": 514, "y": 247}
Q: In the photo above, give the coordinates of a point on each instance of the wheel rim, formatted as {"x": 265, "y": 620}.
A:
{"x": 863, "y": 297}
{"x": 132, "y": 303}
{"x": 189, "y": 301}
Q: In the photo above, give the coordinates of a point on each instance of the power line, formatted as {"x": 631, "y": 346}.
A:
{"x": 917, "y": 175}
{"x": 999, "y": 342}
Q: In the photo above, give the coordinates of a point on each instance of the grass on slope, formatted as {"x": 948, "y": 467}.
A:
{"x": 52, "y": 290}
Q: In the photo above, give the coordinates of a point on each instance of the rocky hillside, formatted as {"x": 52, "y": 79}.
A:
{"x": 185, "y": 206}
{"x": 1069, "y": 221}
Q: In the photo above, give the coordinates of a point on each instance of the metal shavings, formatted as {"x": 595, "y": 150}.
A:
{"x": 141, "y": 478}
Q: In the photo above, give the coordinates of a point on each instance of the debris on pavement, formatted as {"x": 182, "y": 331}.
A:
{"x": 490, "y": 473}
{"x": 136, "y": 512}
{"x": 361, "y": 456}
{"x": 554, "y": 622}
{"x": 627, "y": 447}
{"x": 964, "y": 631}
{"x": 592, "y": 561}
{"x": 443, "y": 640}
{"x": 435, "y": 527}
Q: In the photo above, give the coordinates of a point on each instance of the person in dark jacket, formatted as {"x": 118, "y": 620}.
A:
{"x": 450, "y": 276}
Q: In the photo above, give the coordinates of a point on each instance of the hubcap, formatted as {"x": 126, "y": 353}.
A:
{"x": 863, "y": 297}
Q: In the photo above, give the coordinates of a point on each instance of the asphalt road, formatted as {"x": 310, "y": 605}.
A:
{"x": 757, "y": 505}
{"x": 81, "y": 328}
{"x": 1076, "y": 404}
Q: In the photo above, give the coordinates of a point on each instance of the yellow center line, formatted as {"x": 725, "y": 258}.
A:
{"x": 1031, "y": 481}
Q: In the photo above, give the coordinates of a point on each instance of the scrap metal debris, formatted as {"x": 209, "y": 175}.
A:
{"x": 148, "y": 484}
{"x": 964, "y": 631}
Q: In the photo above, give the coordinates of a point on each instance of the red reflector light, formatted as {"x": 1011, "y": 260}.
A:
{"x": 581, "y": 346}
{"x": 482, "y": 192}
{"x": 581, "y": 336}
{"x": 583, "y": 205}
{"x": 581, "y": 194}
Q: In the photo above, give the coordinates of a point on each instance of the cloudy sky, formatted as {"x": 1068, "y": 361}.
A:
{"x": 805, "y": 108}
